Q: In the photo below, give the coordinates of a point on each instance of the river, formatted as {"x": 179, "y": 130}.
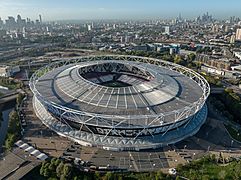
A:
{"x": 4, "y": 124}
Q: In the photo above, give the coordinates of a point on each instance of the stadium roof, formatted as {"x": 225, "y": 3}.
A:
{"x": 167, "y": 91}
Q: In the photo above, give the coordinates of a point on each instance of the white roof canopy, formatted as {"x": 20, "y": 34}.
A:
{"x": 42, "y": 156}
{"x": 24, "y": 146}
{"x": 29, "y": 149}
{"x": 35, "y": 152}
{"x": 19, "y": 143}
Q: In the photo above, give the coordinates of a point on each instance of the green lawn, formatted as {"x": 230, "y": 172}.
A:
{"x": 233, "y": 132}
{"x": 209, "y": 169}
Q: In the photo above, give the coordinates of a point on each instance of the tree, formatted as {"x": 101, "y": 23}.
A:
{"x": 19, "y": 98}
{"x": 13, "y": 130}
{"x": 52, "y": 167}
{"x": 191, "y": 57}
{"x": 10, "y": 141}
{"x": 67, "y": 170}
{"x": 57, "y": 161}
{"x": 59, "y": 169}
{"x": 44, "y": 170}
{"x": 160, "y": 175}
{"x": 168, "y": 57}
{"x": 75, "y": 178}
{"x": 97, "y": 175}
{"x": 13, "y": 125}
{"x": 109, "y": 176}
{"x": 179, "y": 60}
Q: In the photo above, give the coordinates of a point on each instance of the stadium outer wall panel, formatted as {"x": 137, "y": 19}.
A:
{"x": 197, "y": 122}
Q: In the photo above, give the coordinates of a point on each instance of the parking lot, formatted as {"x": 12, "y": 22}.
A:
{"x": 133, "y": 161}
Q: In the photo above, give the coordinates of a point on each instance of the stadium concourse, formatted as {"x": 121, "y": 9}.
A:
{"x": 120, "y": 102}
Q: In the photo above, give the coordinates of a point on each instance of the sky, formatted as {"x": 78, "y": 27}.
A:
{"x": 118, "y": 9}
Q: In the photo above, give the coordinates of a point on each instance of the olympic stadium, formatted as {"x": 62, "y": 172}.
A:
{"x": 120, "y": 102}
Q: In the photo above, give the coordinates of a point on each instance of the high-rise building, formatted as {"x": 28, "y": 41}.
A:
{"x": 89, "y": 27}
{"x": 215, "y": 28}
{"x": 10, "y": 22}
{"x": 232, "y": 19}
{"x": 232, "y": 39}
{"x": 238, "y": 34}
{"x": 1, "y": 23}
{"x": 19, "y": 19}
{"x": 137, "y": 36}
{"x": 24, "y": 32}
{"x": 37, "y": 22}
{"x": 226, "y": 29}
{"x": 40, "y": 19}
{"x": 47, "y": 29}
{"x": 179, "y": 18}
{"x": 207, "y": 18}
{"x": 122, "y": 39}
{"x": 127, "y": 39}
{"x": 20, "y": 22}
{"x": 167, "y": 30}
{"x": 2, "y": 33}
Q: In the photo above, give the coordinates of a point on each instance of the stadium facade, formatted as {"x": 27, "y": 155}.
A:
{"x": 120, "y": 102}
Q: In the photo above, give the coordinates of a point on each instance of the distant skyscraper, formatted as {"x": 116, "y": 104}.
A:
{"x": 24, "y": 32}
{"x": 19, "y": 18}
{"x": 47, "y": 29}
{"x": 20, "y": 21}
{"x": 89, "y": 27}
{"x": 127, "y": 39}
{"x": 1, "y": 23}
{"x": 180, "y": 17}
{"x": 122, "y": 39}
{"x": 232, "y": 39}
{"x": 207, "y": 18}
{"x": 226, "y": 29}
{"x": 238, "y": 34}
{"x": 37, "y": 22}
{"x": 167, "y": 30}
{"x": 40, "y": 19}
{"x": 215, "y": 28}
{"x": 232, "y": 19}
{"x": 10, "y": 22}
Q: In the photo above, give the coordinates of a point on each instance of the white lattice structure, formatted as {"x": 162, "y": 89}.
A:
{"x": 161, "y": 104}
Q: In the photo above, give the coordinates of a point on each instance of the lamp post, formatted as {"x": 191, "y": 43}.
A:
{"x": 193, "y": 155}
{"x": 208, "y": 148}
{"x": 150, "y": 157}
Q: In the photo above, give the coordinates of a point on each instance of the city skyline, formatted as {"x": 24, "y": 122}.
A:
{"x": 78, "y": 10}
